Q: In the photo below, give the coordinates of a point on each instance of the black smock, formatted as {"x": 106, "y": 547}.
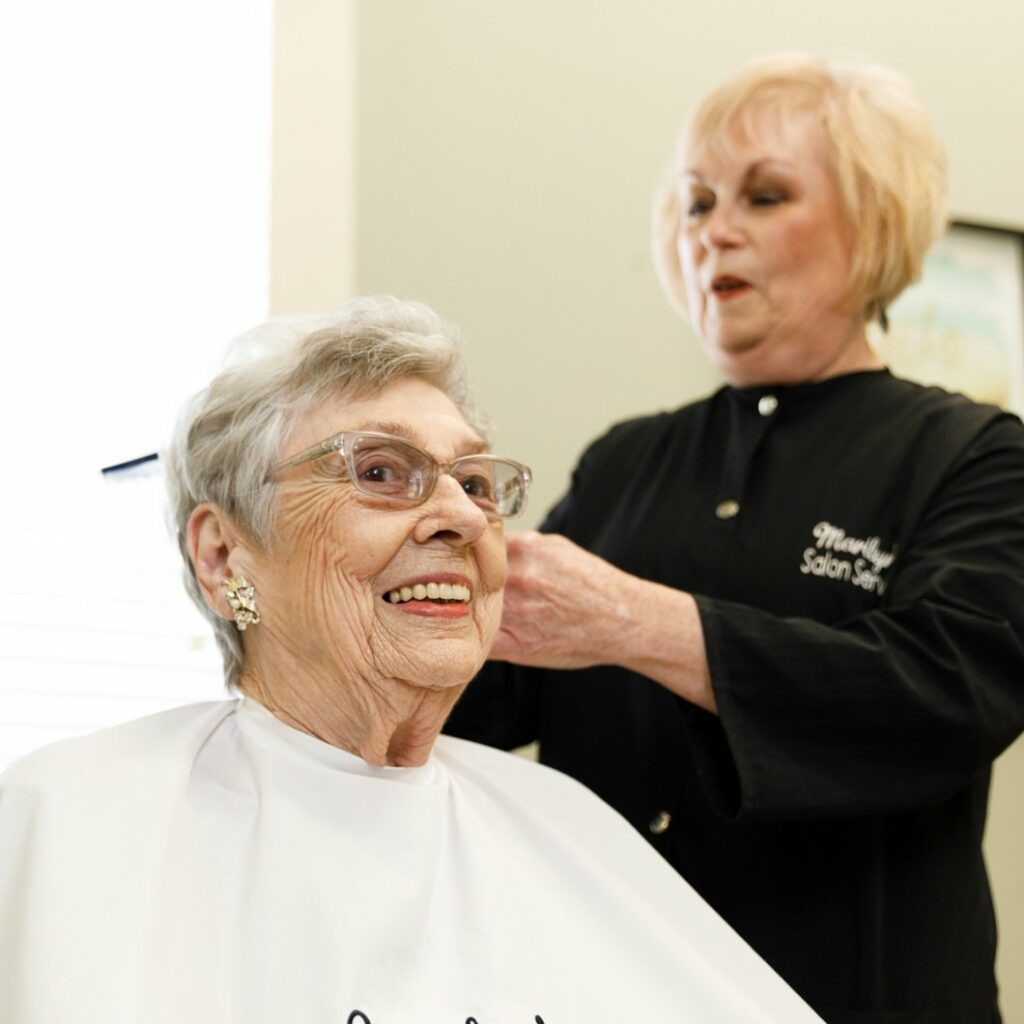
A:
{"x": 856, "y": 549}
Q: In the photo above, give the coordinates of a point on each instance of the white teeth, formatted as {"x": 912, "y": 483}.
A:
{"x": 431, "y": 592}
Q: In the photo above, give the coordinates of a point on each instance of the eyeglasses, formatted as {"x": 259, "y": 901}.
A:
{"x": 395, "y": 472}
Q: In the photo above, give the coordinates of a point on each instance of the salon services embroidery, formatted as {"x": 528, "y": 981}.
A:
{"x": 838, "y": 555}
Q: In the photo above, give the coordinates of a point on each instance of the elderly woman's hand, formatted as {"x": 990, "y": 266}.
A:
{"x": 566, "y": 608}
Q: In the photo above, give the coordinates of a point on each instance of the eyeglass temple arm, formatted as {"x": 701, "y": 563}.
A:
{"x": 332, "y": 444}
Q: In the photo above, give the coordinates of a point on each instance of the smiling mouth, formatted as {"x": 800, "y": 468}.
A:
{"x": 436, "y": 593}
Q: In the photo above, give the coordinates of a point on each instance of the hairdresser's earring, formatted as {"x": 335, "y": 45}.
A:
{"x": 241, "y": 595}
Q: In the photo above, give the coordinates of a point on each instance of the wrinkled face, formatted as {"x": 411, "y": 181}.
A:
{"x": 765, "y": 252}
{"x": 336, "y": 555}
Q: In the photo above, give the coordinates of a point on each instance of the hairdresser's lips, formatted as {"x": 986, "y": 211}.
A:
{"x": 726, "y": 288}
{"x": 436, "y": 596}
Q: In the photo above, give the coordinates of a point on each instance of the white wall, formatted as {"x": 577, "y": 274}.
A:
{"x": 505, "y": 156}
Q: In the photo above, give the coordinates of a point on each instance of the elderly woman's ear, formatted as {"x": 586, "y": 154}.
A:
{"x": 218, "y": 552}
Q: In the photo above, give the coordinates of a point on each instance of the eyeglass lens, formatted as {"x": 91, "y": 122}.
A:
{"x": 390, "y": 469}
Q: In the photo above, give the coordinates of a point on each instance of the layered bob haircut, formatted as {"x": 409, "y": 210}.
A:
{"x": 232, "y": 432}
{"x": 887, "y": 162}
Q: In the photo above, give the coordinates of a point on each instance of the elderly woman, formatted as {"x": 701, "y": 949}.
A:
{"x": 308, "y": 853}
{"x": 796, "y": 608}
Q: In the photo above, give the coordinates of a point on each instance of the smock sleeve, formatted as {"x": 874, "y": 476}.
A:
{"x": 896, "y": 707}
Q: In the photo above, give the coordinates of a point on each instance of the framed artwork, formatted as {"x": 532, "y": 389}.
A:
{"x": 962, "y": 325}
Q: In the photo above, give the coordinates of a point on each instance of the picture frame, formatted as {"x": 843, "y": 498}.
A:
{"x": 961, "y": 326}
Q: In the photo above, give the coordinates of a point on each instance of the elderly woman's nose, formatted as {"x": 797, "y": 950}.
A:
{"x": 450, "y": 514}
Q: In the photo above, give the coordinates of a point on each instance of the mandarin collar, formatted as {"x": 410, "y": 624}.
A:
{"x": 830, "y": 387}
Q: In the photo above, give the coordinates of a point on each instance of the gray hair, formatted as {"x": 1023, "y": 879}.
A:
{"x": 232, "y": 432}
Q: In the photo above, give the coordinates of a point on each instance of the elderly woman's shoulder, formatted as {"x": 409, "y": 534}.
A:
{"x": 131, "y": 750}
{"x": 522, "y": 786}
{"x": 477, "y": 761}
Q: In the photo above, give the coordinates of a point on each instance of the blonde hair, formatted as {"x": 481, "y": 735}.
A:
{"x": 888, "y": 165}
{"x": 232, "y": 432}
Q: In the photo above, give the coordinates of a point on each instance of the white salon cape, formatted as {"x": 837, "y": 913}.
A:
{"x": 212, "y": 864}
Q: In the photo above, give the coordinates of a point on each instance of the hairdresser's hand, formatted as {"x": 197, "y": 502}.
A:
{"x": 566, "y": 608}
{"x": 562, "y": 604}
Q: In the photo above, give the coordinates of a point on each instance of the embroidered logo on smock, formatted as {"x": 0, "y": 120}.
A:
{"x": 837, "y": 555}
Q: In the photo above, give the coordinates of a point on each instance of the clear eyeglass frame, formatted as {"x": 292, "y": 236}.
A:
{"x": 505, "y": 483}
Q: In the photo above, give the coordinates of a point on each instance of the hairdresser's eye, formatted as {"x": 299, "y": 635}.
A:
{"x": 767, "y": 197}
{"x": 698, "y": 204}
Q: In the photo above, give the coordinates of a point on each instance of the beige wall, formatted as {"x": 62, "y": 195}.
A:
{"x": 506, "y": 153}
{"x": 501, "y": 165}
{"x": 312, "y": 194}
